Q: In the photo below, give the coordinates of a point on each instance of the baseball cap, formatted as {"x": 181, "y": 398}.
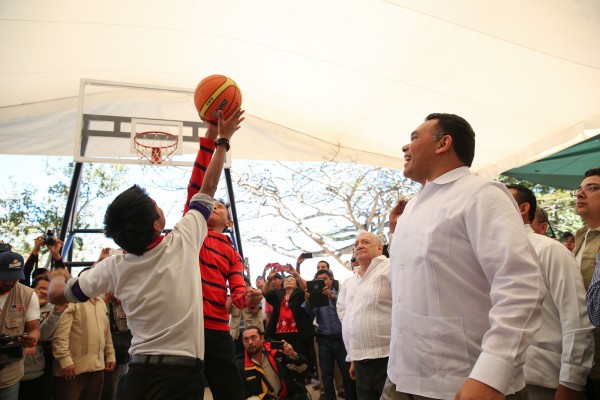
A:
{"x": 11, "y": 266}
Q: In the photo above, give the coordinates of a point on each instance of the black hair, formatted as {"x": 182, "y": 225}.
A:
{"x": 254, "y": 327}
{"x": 566, "y": 235}
{"x": 324, "y": 271}
{"x": 129, "y": 220}
{"x": 38, "y": 271}
{"x": 592, "y": 172}
{"x": 323, "y": 261}
{"x": 463, "y": 136}
{"x": 524, "y": 195}
{"x": 38, "y": 280}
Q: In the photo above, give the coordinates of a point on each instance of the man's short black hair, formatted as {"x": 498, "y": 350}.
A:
{"x": 324, "y": 271}
{"x": 38, "y": 280}
{"x": 260, "y": 333}
{"x": 592, "y": 172}
{"x": 129, "y": 220}
{"x": 524, "y": 195}
{"x": 463, "y": 136}
{"x": 323, "y": 261}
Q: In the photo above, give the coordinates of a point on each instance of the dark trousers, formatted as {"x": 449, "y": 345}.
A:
{"x": 162, "y": 382}
{"x": 331, "y": 351}
{"x": 370, "y": 378}
{"x": 222, "y": 373}
{"x": 592, "y": 387}
{"x": 86, "y": 386}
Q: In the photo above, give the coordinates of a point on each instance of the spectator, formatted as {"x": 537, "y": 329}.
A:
{"x": 31, "y": 270}
{"x": 266, "y": 370}
{"x": 19, "y": 315}
{"x": 121, "y": 338}
{"x": 568, "y": 239}
{"x": 37, "y": 380}
{"x": 587, "y": 247}
{"x": 80, "y": 346}
{"x": 540, "y": 223}
{"x": 561, "y": 354}
{"x": 366, "y": 313}
{"x": 289, "y": 320}
{"x": 249, "y": 316}
{"x": 329, "y": 339}
{"x": 322, "y": 264}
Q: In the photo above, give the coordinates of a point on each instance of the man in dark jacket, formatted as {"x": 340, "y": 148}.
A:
{"x": 265, "y": 368}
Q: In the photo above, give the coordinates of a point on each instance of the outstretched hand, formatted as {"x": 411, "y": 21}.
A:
{"x": 227, "y": 127}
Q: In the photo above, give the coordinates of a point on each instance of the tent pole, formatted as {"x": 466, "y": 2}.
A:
{"x": 236, "y": 227}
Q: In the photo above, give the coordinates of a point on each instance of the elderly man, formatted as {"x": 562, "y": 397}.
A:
{"x": 560, "y": 357}
{"x": 365, "y": 307}
{"x": 465, "y": 280}
{"x": 587, "y": 247}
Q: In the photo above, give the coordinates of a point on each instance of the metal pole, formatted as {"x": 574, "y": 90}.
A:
{"x": 68, "y": 220}
{"x": 236, "y": 227}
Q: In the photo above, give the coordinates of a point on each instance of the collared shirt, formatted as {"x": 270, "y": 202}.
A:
{"x": 270, "y": 373}
{"x": 366, "y": 305}
{"x": 562, "y": 350}
{"x": 467, "y": 289}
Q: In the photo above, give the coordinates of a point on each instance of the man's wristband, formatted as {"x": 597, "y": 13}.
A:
{"x": 223, "y": 142}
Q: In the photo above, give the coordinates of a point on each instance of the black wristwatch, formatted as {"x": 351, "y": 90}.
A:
{"x": 223, "y": 142}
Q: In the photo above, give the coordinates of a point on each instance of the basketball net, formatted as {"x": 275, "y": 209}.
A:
{"x": 155, "y": 147}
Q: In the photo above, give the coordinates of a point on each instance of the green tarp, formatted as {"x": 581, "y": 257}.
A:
{"x": 564, "y": 169}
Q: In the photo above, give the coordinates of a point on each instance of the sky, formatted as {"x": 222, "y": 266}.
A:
{"x": 29, "y": 170}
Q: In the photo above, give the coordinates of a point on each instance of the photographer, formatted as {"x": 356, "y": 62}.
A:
{"x": 54, "y": 245}
{"x": 265, "y": 369}
{"x": 19, "y": 316}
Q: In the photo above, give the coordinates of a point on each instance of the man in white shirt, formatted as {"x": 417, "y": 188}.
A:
{"x": 587, "y": 247}
{"x": 365, "y": 308}
{"x": 465, "y": 280}
{"x": 561, "y": 354}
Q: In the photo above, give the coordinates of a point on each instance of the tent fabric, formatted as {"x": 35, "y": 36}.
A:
{"x": 333, "y": 80}
{"x": 564, "y": 169}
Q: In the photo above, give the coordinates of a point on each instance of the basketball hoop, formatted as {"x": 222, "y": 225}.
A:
{"x": 154, "y": 146}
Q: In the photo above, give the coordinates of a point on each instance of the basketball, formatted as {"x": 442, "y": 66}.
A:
{"x": 214, "y": 93}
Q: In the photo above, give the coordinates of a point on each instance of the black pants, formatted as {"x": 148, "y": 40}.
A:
{"x": 370, "y": 378}
{"x": 158, "y": 382}
{"x": 222, "y": 373}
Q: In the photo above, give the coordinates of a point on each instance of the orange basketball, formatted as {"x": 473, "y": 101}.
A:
{"x": 214, "y": 93}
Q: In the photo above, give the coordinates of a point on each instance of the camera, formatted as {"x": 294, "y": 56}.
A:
{"x": 10, "y": 349}
{"x": 276, "y": 344}
{"x": 49, "y": 237}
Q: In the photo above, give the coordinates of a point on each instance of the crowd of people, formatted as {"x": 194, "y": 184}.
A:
{"x": 474, "y": 301}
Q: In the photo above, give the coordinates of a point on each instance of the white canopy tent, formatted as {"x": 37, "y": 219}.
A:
{"x": 343, "y": 80}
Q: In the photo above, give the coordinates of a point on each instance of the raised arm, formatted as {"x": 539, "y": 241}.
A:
{"x": 226, "y": 129}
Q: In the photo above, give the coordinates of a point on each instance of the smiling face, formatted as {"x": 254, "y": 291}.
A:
{"x": 420, "y": 152}
{"x": 587, "y": 204}
{"x": 41, "y": 289}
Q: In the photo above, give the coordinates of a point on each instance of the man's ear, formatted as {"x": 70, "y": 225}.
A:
{"x": 444, "y": 144}
{"x": 229, "y": 223}
{"x": 524, "y": 209}
{"x": 157, "y": 227}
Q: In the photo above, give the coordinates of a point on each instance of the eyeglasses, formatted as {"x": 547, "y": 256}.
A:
{"x": 589, "y": 189}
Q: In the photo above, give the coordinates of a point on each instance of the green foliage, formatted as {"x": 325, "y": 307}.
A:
{"x": 558, "y": 204}
{"x": 26, "y": 213}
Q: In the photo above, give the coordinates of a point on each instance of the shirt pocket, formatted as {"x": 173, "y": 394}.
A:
{"x": 437, "y": 241}
{"x": 432, "y": 346}
{"x": 15, "y": 322}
